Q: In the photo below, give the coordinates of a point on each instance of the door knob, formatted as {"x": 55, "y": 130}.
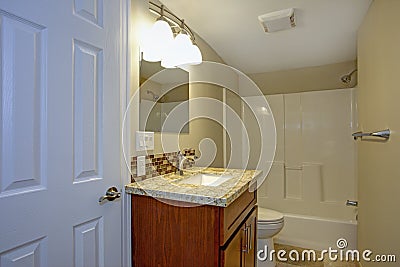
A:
{"x": 111, "y": 194}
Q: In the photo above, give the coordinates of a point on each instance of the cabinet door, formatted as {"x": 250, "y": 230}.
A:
{"x": 231, "y": 256}
{"x": 241, "y": 250}
{"x": 249, "y": 240}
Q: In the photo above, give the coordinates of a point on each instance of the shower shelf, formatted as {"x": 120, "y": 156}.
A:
{"x": 385, "y": 134}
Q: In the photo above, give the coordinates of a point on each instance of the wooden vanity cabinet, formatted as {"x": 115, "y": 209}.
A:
{"x": 170, "y": 233}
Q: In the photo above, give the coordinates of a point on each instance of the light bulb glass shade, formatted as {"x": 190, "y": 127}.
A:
{"x": 183, "y": 40}
{"x": 163, "y": 31}
{"x": 183, "y": 44}
{"x": 145, "y": 47}
{"x": 158, "y": 41}
{"x": 178, "y": 53}
{"x": 151, "y": 55}
{"x": 195, "y": 57}
{"x": 182, "y": 52}
{"x": 168, "y": 61}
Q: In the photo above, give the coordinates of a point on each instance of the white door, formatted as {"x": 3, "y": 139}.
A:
{"x": 60, "y": 132}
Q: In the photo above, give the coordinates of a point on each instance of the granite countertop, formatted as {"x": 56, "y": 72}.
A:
{"x": 169, "y": 187}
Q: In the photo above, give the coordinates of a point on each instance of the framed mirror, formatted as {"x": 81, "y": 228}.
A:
{"x": 164, "y": 95}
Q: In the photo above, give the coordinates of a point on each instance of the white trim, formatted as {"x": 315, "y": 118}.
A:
{"x": 224, "y": 124}
{"x": 243, "y": 130}
{"x": 126, "y": 252}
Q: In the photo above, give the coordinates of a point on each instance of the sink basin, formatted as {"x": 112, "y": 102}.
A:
{"x": 206, "y": 179}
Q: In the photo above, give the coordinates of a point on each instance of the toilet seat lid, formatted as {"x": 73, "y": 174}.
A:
{"x": 268, "y": 215}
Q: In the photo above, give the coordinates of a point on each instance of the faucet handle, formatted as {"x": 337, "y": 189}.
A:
{"x": 353, "y": 203}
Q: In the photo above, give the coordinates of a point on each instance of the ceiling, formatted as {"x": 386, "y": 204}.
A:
{"x": 326, "y": 31}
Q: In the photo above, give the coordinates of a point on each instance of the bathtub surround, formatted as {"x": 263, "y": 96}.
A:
{"x": 314, "y": 168}
{"x": 313, "y": 173}
{"x": 160, "y": 164}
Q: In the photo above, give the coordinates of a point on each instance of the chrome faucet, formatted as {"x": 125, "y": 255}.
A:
{"x": 353, "y": 203}
{"x": 180, "y": 159}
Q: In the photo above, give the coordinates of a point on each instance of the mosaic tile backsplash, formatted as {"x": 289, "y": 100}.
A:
{"x": 160, "y": 164}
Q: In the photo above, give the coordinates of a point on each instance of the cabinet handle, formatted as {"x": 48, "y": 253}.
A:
{"x": 250, "y": 237}
{"x": 246, "y": 246}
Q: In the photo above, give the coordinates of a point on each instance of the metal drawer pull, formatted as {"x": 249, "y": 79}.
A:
{"x": 385, "y": 134}
{"x": 250, "y": 236}
{"x": 246, "y": 246}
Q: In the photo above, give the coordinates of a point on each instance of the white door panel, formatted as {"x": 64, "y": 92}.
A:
{"x": 60, "y": 132}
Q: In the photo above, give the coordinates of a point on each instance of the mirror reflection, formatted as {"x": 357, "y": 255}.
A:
{"x": 161, "y": 94}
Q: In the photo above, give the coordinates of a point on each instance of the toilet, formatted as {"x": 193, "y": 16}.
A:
{"x": 269, "y": 224}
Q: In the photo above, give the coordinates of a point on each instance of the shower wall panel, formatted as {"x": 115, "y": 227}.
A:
{"x": 314, "y": 170}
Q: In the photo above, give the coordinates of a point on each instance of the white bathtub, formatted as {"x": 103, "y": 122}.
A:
{"x": 316, "y": 233}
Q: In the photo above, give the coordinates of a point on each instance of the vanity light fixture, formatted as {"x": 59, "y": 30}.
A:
{"x": 158, "y": 39}
{"x": 161, "y": 45}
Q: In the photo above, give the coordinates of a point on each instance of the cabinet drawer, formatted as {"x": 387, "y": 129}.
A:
{"x": 232, "y": 216}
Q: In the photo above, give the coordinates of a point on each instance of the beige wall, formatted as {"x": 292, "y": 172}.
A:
{"x": 379, "y": 95}
{"x": 234, "y": 102}
{"x": 199, "y": 128}
{"x": 305, "y": 79}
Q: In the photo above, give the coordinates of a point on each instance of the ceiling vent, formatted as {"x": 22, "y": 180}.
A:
{"x": 278, "y": 20}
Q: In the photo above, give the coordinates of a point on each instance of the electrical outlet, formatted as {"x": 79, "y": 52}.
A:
{"x": 141, "y": 166}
